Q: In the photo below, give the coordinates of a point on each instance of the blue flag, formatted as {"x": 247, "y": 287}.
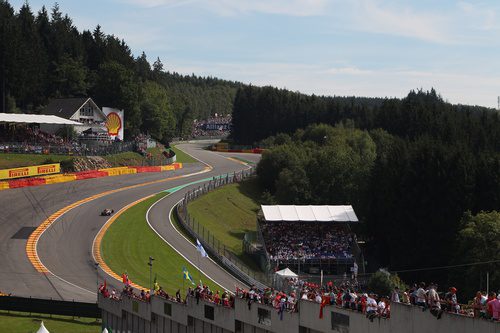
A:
{"x": 200, "y": 249}
{"x": 186, "y": 275}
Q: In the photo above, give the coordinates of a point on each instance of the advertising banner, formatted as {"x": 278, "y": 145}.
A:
{"x": 30, "y": 171}
{"x": 114, "y": 122}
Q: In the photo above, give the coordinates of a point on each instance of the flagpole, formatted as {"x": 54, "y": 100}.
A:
{"x": 199, "y": 270}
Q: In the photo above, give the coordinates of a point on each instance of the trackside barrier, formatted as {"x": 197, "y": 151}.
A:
{"x": 167, "y": 167}
{"x": 119, "y": 171}
{"x": 26, "y": 182}
{"x": 49, "y": 306}
{"x": 59, "y": 178}
{"x": 248, "y": 151}
{"x": 62, "y": 178}
{"x": 90, "y": 174}
{"x": 214, "y": 247}
{"x": 141, "y": 169}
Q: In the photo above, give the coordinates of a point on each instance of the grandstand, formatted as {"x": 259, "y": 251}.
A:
{"x": 309, "y": 239}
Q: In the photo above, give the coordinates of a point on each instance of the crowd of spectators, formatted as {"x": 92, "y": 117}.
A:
{"x": 29, "y": 135}
{"x": 219, "y": 125}
{"x": 295, "y": 240}
{"x": 346, "y": 295}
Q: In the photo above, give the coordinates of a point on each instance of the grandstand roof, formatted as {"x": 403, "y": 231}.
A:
{"x": 34, "y": 119}
{"x": 309, "y": 213}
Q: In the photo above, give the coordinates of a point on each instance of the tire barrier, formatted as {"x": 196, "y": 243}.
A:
{"x": 62, "y": 178}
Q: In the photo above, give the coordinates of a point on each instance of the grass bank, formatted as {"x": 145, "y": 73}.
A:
{"x": 129, "y": 242}
{"x": 182, "y": 157}
{"x": 19, "y": 322}
{"x": 229, "y": 212}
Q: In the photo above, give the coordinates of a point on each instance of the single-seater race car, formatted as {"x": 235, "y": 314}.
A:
{"x": 107, "y": 212}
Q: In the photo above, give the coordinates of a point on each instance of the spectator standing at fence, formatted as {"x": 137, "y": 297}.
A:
{"x": 434, "y": 301}
{"x": 421, "y": 296}
{"x": 477, "y": 304}
{"x": 395, "y": 295}
{"x": 371, "y": 307}
{"x": 489, "y": 311}
{"x": 495, "y": 308}
{"x": 451, "y": 300}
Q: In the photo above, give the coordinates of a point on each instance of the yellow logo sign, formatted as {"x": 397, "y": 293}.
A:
{"x": 113, "y": 123}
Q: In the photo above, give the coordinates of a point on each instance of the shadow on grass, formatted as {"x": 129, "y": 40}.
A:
{"x": 39, "y": 317}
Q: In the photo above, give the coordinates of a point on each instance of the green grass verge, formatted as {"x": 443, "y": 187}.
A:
{"x": 229, "y": 212}
{"x": 15, "y": 160}
{"x": 182, "y": 157}
{"x": 19, "y": 322}
{"x": 129, "y": 242}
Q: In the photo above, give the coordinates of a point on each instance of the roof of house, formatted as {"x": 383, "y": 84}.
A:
{"x": 64, "y": 107}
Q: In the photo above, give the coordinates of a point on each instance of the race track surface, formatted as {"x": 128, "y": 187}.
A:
{"x": 66, "y": 247}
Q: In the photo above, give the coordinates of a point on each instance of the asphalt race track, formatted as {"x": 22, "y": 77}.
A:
{"x": 66, "y": 246}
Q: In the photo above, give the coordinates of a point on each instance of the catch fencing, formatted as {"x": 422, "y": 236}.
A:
{"x": 214, "y": 247}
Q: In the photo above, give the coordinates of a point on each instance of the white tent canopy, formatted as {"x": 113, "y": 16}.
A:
{"x": 340, "y": 213}
{"x": 287, "y": 272}
{"x": 35, "y": 119}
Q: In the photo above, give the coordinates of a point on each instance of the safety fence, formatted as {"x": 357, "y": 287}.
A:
{"x": 49, "y": 306}
{"x": 214, "y": 247}
{"x": 62, "y": 178}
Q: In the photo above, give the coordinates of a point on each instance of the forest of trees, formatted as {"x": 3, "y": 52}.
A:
{"x": 44, "y": 56}
{"x": 422, "y": 175}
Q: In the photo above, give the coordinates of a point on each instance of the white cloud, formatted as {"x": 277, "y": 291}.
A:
{"x": 348, "y": 71}
{"x": 479, "y": 16}
{"x": 378, "y": 17}
{"x": 236, "y": 7}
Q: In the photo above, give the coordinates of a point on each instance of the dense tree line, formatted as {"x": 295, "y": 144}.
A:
{"x": 411, "y": 168}
{"x": 43, "y": 56}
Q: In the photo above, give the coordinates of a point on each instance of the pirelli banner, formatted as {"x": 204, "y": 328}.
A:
{"x": 30, "y": 171}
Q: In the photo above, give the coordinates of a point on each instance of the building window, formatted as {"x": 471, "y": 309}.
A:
{"x": 340, "y": 322}
{"x": 135, "y": 306}
{"x": 264, "y": 316}
{"x": 209, "y": 312}
{"x": 167, "y": 309}
{"x": 87, "y": 111}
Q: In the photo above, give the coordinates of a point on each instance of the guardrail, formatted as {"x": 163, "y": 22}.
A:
{"x": 50, "y": 306}
{"x": 214, "y": 247}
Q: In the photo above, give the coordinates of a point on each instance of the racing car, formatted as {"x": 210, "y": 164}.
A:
{"x": 107, "y": 212}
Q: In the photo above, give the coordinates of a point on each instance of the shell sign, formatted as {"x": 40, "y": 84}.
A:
{"x": 114, "y": 122}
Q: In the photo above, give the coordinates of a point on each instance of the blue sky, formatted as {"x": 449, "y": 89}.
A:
{"x": 330, "y": 47}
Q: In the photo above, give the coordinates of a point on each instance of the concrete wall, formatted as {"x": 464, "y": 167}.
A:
{"x": 223, "y": 316}
{"x": 413, "y": 320}
{"x": 127, "y": 316}
{"x": 274, "y": 323}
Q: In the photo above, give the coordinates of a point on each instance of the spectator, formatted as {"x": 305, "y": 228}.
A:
{"x": 421, "y": 296}
{"x": 494, "y": 305}
{"x": 371, "y": 307}
{"x": 434, "y": 301}
{"x": 451, "y": 300}
{"x": 395, "y": 295}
